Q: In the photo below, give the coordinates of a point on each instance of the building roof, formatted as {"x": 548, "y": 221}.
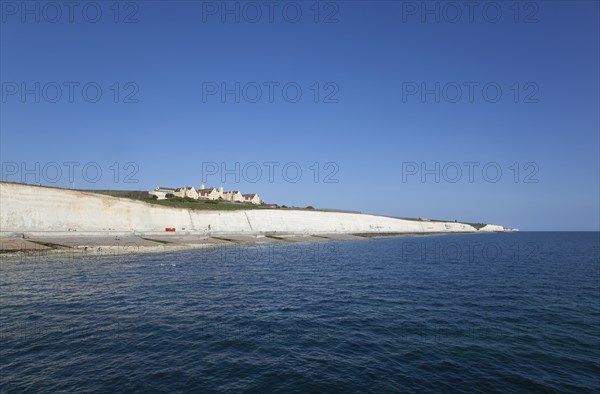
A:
{"x": 250, "y": 195}
{"x": 162, "y": 188}
{"x": 184, "y": 188}
{"x": 206, "y": 191}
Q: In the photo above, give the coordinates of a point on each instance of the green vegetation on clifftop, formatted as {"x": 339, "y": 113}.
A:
{"x": 178, "y": 202}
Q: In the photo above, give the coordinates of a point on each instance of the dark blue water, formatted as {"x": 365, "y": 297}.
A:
{"x": 497, "y": 312}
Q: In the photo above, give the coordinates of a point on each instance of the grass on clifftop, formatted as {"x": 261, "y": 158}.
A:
{"x": 178, "y": 202}
{"x": 205, "y": 204}
{"x": 217, "y": 205}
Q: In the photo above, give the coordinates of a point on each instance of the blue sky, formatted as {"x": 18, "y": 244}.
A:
{"x": 510, "y": 89}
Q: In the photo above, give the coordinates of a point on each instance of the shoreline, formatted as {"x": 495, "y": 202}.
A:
{"x": 38, "y": 220}
{"x": 130, "y": 244}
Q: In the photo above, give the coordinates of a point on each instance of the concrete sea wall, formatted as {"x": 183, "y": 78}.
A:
{"x": 26, "y": 208}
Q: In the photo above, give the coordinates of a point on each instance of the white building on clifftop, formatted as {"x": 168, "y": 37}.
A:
{"x": 161, "y": 192}
{"x": 188, "y": 191}
{"x": 252, "y": 198}
{"x": 203, "y": 193}
{"x": 233, "y": 196}
{"x": 208, "y": 194}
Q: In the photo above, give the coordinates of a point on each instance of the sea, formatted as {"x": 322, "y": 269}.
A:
{"x": 510, "y": 312}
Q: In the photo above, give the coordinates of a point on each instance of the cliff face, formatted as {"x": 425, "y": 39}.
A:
{"x": 25, "y": 208}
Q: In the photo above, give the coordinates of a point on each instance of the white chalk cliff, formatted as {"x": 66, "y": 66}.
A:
{"x": 26, "y": 208}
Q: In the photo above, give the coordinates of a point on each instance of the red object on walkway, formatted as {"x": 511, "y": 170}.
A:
{"x": 170, "y": 229}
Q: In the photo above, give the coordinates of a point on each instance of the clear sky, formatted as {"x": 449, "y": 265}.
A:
{"x": 484, "y": 111}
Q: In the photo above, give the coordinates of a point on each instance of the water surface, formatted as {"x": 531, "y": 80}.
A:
{"x": 483, "y": 312}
